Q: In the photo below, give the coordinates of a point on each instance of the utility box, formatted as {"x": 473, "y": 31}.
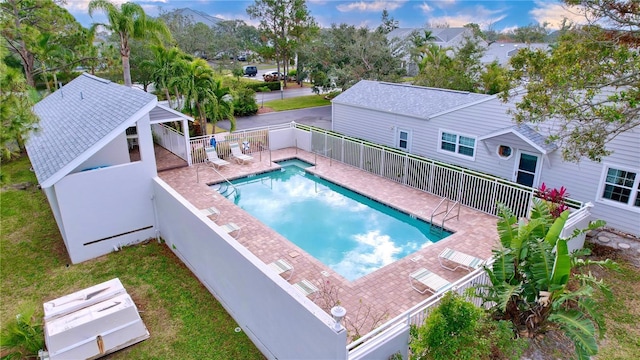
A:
{"x": 82, "y": 298}
{"x": 95, "y": 330}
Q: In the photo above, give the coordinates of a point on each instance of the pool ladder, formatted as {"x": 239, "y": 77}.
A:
{"x": 448, "y": 212}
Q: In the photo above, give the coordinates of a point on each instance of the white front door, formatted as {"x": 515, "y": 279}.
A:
{"x": 527, "y": 167}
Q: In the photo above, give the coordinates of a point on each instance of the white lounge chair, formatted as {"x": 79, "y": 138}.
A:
{"x": 237, "y": 154}
{"x": 210, "y": 211}
{"x": 212, "y": 157}
{"x": 306, "y": 288}
{"x": 229, "y": 228}
{"x": 432, "y": 282}
{"x": 280, "y": 266}
{"x": 459, "y": 259}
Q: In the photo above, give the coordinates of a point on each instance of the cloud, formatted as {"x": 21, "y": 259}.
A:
{"x": 477, "y": 14}
{"x": 554, "y": 13}
{"x": 76, "y": 6}
{"x": 372, "y": 252}
{"x": 425, "y": 8}
{"x": 445, "y": 3}
{"x": 371, "y": 6}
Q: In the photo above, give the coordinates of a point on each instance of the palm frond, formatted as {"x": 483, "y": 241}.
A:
{"x": 579, "y": 329}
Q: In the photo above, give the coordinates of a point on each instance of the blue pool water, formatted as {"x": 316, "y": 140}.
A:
{"x": 346, "y": 231}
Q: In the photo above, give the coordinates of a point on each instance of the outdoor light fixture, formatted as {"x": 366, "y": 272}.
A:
{"x": 338, "y": 313}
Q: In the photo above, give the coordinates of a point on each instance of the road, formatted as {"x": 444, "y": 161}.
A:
{"x": 317, "y": 116}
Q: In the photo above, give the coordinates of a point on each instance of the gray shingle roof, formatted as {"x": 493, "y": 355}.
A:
{"x": 76, "y": 117}
{"x": 409, "y": 100}
{"x": 528, "y": 134}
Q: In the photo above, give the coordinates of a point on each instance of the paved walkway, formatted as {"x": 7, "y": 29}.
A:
{"x": 385, "y": 291}
{"x": 612, "y": 239}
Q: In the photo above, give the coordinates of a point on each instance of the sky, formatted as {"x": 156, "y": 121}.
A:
{"x": 498, "y": 15}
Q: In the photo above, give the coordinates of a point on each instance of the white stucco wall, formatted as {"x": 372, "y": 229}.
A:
{"x": 277, "y": 318}
{"x": 103, "y": 208}
{"x": 282, "y": 138}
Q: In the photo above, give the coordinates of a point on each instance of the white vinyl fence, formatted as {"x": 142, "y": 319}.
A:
{"x": 170, "y": 139}
{"x": 471, "y": 188}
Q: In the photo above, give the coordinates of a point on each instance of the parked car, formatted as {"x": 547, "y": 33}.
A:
{"x": 242, "y": 57}
{"x": 273, "y": 76}
{"x": 250, "y": 70}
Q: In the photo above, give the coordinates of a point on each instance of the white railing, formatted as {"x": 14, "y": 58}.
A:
{"x": 578, "y": 219}
{"x": 418, "y": 313}
{"x": 471, "y": 188}
{"x": 170, "y": 139}
{"x": 251, "y": 141}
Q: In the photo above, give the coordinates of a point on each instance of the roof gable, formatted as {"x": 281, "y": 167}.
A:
{"x": 527, "y": 134}
{"x": 86, "y": 112}
{"x": 415, "y": 101}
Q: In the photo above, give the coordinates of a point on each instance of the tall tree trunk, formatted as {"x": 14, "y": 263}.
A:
{"x": 44, "y": 77}
{"x": 166, "y": 93}
{"x": 125, "y": 52}
{"x": 126, "y": 70}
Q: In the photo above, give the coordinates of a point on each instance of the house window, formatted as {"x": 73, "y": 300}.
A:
{"x": 403, "y": 139}
{"x": 457, "y": 144}
{"x": 505, "y": 151}
{"x": 621, "y": 186}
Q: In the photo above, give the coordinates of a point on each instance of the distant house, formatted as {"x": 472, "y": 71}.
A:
{"x": 474, "y": 131}
{"x": 502, "y": 52}
{"x": 195, "y": 16}
{"x": 443, "y": 37}
{"x": 100, "y": 196}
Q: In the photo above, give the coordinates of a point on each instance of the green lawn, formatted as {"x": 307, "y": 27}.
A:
{"x": 184, "y": 319}
{"x": 299, "y": 102}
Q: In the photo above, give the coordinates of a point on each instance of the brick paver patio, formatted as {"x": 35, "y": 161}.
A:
{"x": 385, "y": 290}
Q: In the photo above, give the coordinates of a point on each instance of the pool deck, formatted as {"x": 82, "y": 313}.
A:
{"x": 386, "y": 290}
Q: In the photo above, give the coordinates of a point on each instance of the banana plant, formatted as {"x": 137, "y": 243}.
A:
{"x": 529, "y": 278}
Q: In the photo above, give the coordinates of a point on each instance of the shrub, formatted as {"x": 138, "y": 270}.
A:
{"x": 273, "y": 86}
{"x": 244, "y": 102}
{"x": 23, "y": 337}
{"x": 530, "y": 279}
{"x": 555, "y": 199}
{"x": 457, "y": 329}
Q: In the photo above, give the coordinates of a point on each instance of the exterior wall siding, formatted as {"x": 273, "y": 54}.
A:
{"x": 582, "y": 180}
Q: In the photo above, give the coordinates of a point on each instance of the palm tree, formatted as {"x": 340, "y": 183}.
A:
{"x": 419, "y": 43}
{"x": 129, "y": 21}
{"x": 204, "y": 96}
{"x": 196, "y": 83}
{"x": 165, "y": 66}
{"x": 222, "y": 107}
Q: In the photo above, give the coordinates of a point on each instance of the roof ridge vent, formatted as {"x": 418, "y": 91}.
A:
{"x": 93, "y": 77}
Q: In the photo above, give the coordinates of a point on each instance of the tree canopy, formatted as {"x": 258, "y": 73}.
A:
{"x": 35, "y": 29}
{"x": 586, "y": 89}
{"x": 129, "y": 21}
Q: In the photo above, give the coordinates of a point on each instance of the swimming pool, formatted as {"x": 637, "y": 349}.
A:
{"x": 348, "y": 232}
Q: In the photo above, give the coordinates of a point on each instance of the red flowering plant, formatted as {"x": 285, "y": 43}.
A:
{"x": 555, "y": 199}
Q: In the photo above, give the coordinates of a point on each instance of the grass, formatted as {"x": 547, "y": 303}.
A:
{"x": 622, "y": 338}
{"x": 185, "y": 321}
{"x": 300, "y": 102}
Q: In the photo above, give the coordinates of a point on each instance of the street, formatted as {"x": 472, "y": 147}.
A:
{"x": 317, "y": 116}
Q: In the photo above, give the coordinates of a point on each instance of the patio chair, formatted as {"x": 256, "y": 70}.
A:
{"x": 306, "y": 288}
{"x": 212, "y": 158}
{"x": 210, "y": 211}
{"x": 459, "y": 259}
{"x": 230, "y": 228}
{"x": 237, "y": 154}
{"x": 432, "y": 282}
{"x": 280, "y": 266}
